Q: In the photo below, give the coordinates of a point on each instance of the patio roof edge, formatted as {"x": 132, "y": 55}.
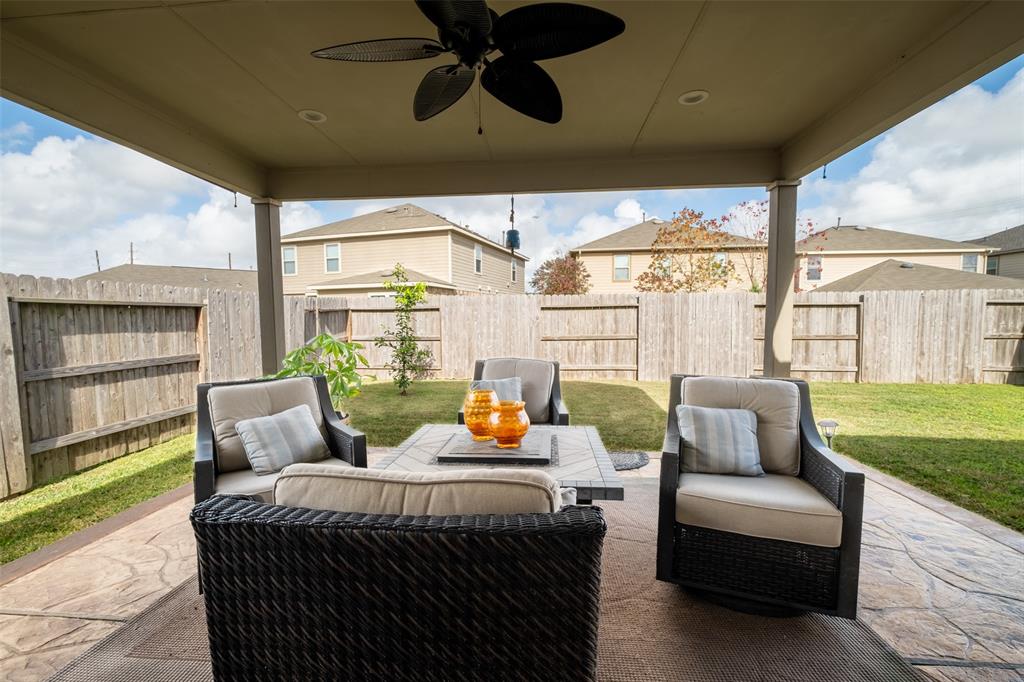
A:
{"x": 49, "y": 85}
{"x": 978, "y": 41}
{"x": 699, "y": 169}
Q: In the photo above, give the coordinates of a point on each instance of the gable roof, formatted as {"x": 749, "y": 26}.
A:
{"x": 640, "y": 237}
{"x": 1010, "y": 240}
{"x": 892, "y": 274}
{"x": 178, "y": 276}
{"x": 371, "y": 279}
{"x": 396, "y": 219}
{"x": 864, "y": 238}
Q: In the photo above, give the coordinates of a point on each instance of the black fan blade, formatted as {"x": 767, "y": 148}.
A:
{"x": 385, "y": 50}
{"x": 525, "y": 87}
{"x": 468, "y": 18}
{"x": 553, "y": 29}
{"x": 441, "y": 88}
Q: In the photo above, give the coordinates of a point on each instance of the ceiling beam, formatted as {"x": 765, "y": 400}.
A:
{"x": 981, "y": 39}
{"x": 52, "y": 86}
{"x": 705, "y": 169}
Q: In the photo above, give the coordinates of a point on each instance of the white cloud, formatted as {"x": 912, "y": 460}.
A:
{"x": 16, "y": 135}
{"x": 65, "y": 199}
{"x": 956, "y": 170}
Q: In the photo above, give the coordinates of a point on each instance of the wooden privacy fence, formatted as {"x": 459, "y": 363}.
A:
{"x": 93, "y": 370}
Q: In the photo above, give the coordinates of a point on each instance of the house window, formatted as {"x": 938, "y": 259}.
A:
{"x": 332, "y": 257}
{"x": 665, "y": 266}
{"x": 515, "y": 271}
{"x": 289, "y": 264}
{"x": 992, "y": 265}
{"x": 721, "y": 259}
{"x": 381, "y": 294}
{"x": 478, "y": 259}
{"x": 621, "y": 273}
{"x": 814, "y": 268}
{"x": 969, "y": 262}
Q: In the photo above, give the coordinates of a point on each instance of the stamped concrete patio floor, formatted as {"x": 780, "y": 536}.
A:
{"x": 943, "y": 586}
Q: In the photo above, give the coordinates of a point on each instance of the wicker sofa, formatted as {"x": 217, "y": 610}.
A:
{"x": 542, "y": 390}
{"x": 796, "y": 548}
{"x": 303, "y": 594}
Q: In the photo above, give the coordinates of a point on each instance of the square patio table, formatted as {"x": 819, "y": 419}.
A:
{"x": 579, "y": 459}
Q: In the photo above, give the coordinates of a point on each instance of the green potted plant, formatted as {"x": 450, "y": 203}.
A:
{"x": 337, "y": 360}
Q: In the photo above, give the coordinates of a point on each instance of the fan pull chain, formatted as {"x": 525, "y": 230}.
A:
{"x": 479, "y": 103}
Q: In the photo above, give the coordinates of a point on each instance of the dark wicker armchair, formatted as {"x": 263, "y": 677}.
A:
{"x": 300, "y": 594}
{"x": 758, "y": 573}
{"x": 213, "y": 475}
{"x": 542, "y": 389}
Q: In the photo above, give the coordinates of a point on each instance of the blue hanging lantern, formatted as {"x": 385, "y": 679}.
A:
{"x": 512, "y": 239}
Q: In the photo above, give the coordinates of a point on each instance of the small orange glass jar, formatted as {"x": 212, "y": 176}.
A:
{"x": 509, "y": 423}
{"x": 477, "y": 410}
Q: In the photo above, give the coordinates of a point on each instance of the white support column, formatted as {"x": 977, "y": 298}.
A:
{"x": 271, "y": 291}
{"x": 778, "y": 313}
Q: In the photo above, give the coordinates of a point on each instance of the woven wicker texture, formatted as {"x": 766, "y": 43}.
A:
{"x": 649, "y": 631}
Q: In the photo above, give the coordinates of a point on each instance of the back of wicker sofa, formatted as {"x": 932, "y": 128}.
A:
{"x": 301, "y": 594}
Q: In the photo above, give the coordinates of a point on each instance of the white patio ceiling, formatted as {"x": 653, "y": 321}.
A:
{"x": 214, "y": 88}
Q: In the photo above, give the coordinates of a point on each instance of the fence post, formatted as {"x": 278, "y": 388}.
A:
{"x": 16, "y": 472}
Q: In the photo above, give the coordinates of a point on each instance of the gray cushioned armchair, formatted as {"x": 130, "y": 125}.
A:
{"x": 221, "y": 467}
{"x": 542, "y": 390}
{"x": 782, "y": 543}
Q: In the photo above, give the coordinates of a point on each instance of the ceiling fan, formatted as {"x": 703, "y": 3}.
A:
{"x": 471, "y": 31}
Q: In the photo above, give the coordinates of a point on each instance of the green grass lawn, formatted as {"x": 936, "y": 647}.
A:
{"x": 56, "y": 509}
{"x": 963, "y": 443}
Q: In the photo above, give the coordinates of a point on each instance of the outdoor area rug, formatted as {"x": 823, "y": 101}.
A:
{"x": 649, "y": 631}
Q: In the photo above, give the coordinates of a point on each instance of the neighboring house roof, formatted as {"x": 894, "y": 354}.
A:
{"x": 894, "y": 275}
{"x": 875, "y": 239}
{"x": 376, "y": 279}
{"x": 394, "y": 220}
{"x": 1010, "y": 240}
{"x": 641, "y": 237}
{"x": 178, "y": 276}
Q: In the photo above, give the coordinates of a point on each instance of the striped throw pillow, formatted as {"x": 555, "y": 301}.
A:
{"x": 272, "y": 443}
{"x": 718, "y": 441}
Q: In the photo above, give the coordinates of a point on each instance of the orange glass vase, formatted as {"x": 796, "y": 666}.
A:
{"x": 509, "y": 423}
{"x": 477, "y": 410}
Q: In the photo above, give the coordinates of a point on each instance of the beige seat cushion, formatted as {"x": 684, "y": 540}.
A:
{"x": 538, "y": 376}
{"x": 771, "y": 506}
{"x": 231, "y": 404}
{"x": 246, "y": 482}
{"x": 374, "y": 491}
{"x": 776, "y": 404}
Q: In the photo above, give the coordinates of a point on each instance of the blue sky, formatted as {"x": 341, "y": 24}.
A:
{"x": 955, "y": 170}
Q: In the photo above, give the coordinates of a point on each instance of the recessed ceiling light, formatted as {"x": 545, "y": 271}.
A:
{"x": 312, "y": 116}
{"x": 693, "y": 97}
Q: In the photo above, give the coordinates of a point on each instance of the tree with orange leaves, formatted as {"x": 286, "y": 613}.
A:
{"x": 686, "y": 255}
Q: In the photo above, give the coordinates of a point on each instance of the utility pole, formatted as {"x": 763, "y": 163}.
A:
{"x": 229, "y": 260}
{"x": 131, "y": 253}
{"x": 97, "y": 260}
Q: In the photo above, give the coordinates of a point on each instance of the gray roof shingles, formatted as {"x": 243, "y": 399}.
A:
{"x": 641, "y": 236}
{"x": 890, "y": 275}
{"x": 864, "y": 238}
{"x": 178, "y": 276}
{"x": 1010, "y": 240}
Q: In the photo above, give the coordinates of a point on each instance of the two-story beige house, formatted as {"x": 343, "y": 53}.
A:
{"x": 617, "y": 260}
{"x": 353, "y": 257}
{"x": 837, "y": 252}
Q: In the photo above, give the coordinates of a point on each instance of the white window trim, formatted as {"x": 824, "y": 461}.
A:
{"x": 295, "y": 260}
{"x": 515, "y": 271}
{"x": 629, "y": 267}
{"x": 977, "y": 261}
{"x": 332, "y": 272}
{"x": 808, "y": 269}
{"x": 478, "y": 249}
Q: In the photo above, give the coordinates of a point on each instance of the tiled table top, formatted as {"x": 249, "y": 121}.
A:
{"x": 582, "y": 461}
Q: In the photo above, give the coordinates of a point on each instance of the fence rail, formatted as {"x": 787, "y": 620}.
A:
{"x": 101, "y": 369}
